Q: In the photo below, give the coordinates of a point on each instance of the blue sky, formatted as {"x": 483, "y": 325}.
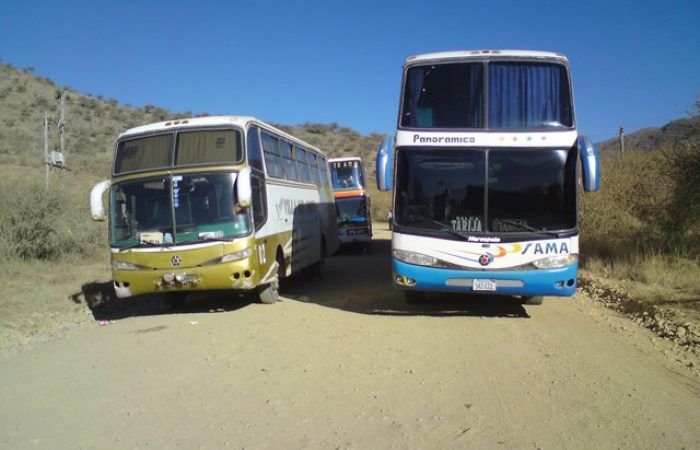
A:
{"x": 634, "y": 63}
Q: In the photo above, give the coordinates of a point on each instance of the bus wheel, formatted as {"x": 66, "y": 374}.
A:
{"x": 532, "y": 300}
{"x": 414, "y": 297}
{"x": 270, "y": 293}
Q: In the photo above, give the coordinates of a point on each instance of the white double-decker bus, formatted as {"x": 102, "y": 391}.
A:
{"x": 215, "y": 203}
{"x": 483, "y": 168}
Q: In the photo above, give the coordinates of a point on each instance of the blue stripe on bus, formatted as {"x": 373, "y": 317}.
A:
{"x": 554, "y": 282}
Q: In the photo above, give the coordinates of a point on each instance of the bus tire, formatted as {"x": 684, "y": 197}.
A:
{"x": 414, "y": 297}
{"x": 270, "y": 293}
{"x": 536, "y": 300}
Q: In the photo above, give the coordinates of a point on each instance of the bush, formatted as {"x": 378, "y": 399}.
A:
{"x": 649, "y": 204}
{"x": 48, "y": 225}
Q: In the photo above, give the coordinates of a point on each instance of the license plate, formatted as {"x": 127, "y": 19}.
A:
{"x": 484, "y": 285}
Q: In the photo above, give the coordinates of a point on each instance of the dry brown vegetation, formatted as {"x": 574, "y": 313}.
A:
{"x": 40, "y": 224}
{"x": 641, "y": 234}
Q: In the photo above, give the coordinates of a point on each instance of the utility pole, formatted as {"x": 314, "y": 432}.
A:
{"x": 622, "y": 140}
{"x": 62, "y": 121}
{"x": 46, "y": 147}
{"x": 55, "y": 158}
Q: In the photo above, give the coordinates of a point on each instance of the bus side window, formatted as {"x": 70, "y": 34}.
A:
{"x": 300, "y": 154}
{"x": 259, "y": 201}
{"x": 255, "y": 158}
{"x": 272, "y": 156}
{"x": 289, "y": 166}
{"x": 323, "y": 170}
{"x": 313, "y": 169}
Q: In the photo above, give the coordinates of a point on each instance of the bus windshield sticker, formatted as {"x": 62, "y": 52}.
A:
{"x": 211, "y": 234}
{"x": 151, "y": 237}
{"x": 176, "y": 191}
{"x": 469, "y": 223}
{"x": 510, "y": 225}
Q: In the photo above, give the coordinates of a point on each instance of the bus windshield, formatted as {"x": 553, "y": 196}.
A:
{"x": 521, "y": 95}
{"x": 204, "y": 146}
{"x": 177, "y": 209}
{"x": 347, "y": 175}
{"x": 486, "y": 191}
{"x": 351, "y": 210}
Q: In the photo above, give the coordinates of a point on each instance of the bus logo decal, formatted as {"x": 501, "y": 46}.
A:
{"x": 485, "y": 259}
{"x": 175, "y": 261}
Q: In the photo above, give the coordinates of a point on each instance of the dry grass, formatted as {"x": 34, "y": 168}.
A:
{"x": 41, "y": 299}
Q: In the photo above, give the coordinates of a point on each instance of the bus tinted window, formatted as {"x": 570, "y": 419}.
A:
{"x": 289, "y": 166}
{"x": 529, "y": 95}
{"x": 254, "y": 151}
{"x": 323, "y": 170}
{"x": 535, "y": 189}
{"x": 144, "y": 153}
{"x": 259, "y": 201}
{"x": 444, "y": 96}
{"x": 210, "y": 146}
{"x": 313, "y": 168}
{"x": 272, "y": 157}
{"x": 304, "y": 174}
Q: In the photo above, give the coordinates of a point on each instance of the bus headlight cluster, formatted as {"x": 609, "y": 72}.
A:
{"x": 181, "y": 279}
{"x": 237, "y": 256}
{"x": 555, "y": 262}
{"x": 419, "y": 259}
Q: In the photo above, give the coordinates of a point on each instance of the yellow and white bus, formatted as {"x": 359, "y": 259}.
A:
{"x": 215, "y": 203}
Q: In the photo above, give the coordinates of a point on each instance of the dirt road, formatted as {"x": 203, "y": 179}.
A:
{"x": 344, "y": 363}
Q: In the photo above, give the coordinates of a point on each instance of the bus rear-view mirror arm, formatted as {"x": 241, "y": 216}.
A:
{"x": 590, "y": 165}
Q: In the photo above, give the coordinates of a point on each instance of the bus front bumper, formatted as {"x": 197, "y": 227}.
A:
{"x": 237, "y": 276}
{"x": 538, "y": 282}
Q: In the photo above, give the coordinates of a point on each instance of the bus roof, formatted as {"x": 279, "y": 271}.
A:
{"x": 190, "y": 122}
{"x": 483, "y": 54}
{"x": 348, "y": 158}
{"x": 210, "y": 121}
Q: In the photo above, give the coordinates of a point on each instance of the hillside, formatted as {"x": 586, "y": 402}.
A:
{"x": 93, "y": 122}
{"x": 649, "y": 139}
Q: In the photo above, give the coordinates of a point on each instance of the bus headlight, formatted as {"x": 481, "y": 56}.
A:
{"x": 237, "y": 256}
{"x": 419, "y": 259}
{"x": 414, "y": 258}
{"x": 555, "y": 262}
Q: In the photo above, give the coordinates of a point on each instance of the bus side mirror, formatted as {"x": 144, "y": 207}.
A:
{"x": 97, "y": 207}
{"x": 244, "y": 191}
{"x": 385, "y": 155}
{"x": 590, "y": 165}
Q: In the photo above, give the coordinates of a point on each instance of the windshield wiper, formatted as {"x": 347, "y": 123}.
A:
{"x": 443, "y": 226}
{"x": 204, "y": 239}
{"x": 446, "y": 228}
{"x": 522, "y": 226}
{"x": 144, "y": 244}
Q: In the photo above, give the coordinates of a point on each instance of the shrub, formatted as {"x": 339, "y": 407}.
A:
{"x": 36, "y": 223}
{"x": 649, "y": 203}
